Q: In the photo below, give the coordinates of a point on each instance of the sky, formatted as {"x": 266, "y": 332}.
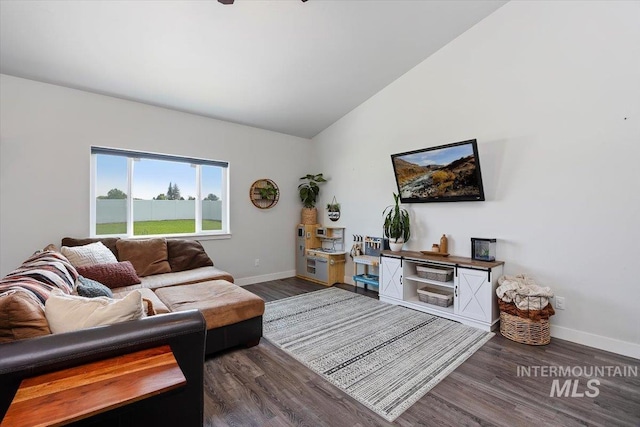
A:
{"x": 152, "y": 177}
{"x": 443, "y": 156}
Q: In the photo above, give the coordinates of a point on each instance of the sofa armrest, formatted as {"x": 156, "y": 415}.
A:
{"x": 184, "y": 332}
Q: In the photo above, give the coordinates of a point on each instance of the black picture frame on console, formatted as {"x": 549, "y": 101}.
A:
{"x": 444, "y": 173}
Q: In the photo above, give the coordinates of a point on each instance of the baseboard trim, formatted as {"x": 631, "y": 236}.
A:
{"x": 623, "y": 348}
{"x": 244, "y": 281}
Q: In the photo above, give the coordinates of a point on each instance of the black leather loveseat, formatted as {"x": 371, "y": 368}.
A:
{"x": 184, "y": 332}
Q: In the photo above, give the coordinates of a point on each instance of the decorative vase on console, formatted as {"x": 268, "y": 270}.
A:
{"x": 397, "y": 226}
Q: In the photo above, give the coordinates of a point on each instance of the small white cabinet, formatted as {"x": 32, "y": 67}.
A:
{"x": 474, "y": 294}
{"x": 473, "y": 286}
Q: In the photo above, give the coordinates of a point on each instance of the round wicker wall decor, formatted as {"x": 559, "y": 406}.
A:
{"x": 264, "y": 194}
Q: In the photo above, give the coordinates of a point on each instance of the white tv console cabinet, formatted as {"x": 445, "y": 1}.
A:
{"x": 473, "y": 286}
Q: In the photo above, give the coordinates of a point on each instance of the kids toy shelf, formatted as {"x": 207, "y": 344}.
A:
{"x": 371, "y": 247}
{"x": 366, "y": 278}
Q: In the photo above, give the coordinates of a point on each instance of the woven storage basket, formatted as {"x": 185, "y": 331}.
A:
{"x": 525, "y": 331}
{"x": 309, "y": 216}
{"x": 435, "y": 296}
{"x": 441, "y": 274}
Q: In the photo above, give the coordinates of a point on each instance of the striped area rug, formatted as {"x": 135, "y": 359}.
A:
{"x": 385, "y": 356}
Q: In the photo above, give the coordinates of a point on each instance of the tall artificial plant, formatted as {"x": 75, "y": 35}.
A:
{"x": 310, "y": 189}
{"x": 396, "y": 221}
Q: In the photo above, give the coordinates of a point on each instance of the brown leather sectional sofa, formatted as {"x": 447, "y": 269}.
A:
{"x": 233, "y": 315}
{"x": 199, "y": 311}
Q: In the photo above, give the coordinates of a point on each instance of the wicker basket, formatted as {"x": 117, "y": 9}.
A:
{"x": 309, "y": 216}
{"x": 441, "y": 274}
{"x": 525, "y": 331}
{"x": 435, "y": 296}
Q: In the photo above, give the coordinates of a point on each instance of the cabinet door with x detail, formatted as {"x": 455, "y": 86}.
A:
{"x": 473, "y": 294}
{"x": 391, "y": 277}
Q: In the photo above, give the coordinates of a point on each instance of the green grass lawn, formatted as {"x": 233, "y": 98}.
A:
{"x": 141, "y": 228}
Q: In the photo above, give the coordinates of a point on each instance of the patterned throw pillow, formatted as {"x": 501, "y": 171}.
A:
{"x": 91, "y": 254}
{"x": 115, "y": 275}
{"x": 40, "y": 274}
{"x": 90, "y": 288}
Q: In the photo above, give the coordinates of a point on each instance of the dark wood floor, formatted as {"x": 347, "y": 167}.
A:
{"x": 263, "y": 386}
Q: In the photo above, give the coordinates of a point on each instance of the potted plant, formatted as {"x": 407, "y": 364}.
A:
{"x": 309, "y": 191}
{"x": 268, "y": 192}
{"x": 396, "y": 224}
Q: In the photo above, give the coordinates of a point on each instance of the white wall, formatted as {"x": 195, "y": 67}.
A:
{"x": 45, "y": 136}
{"x": 551, "y": 90}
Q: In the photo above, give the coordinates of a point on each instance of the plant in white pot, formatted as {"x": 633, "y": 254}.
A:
{"x": 396, "y": 224}
{"x": 309, "y": 191}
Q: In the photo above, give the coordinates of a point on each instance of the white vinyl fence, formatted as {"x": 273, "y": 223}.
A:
{"x": 115, "y": 210}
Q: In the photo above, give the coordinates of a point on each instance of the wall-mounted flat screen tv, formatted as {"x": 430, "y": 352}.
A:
{"x": 446, "y": 173}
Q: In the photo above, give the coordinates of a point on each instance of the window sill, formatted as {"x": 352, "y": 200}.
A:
{"x": 223, "y": 236}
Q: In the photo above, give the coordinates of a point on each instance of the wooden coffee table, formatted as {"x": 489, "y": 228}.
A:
{"x": 73, "y": 394}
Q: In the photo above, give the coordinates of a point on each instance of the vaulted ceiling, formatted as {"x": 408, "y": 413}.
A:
{"x": 288, "y": 66}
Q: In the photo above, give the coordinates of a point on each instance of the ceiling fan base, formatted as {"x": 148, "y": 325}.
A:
{"x": 231, "y": 1}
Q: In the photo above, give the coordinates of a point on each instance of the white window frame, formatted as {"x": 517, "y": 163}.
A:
{"x": 132, "y": 156}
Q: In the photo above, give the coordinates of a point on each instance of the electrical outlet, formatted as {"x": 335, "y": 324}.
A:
{"x": 560, "y": 303}
{"x": 257, "y": 262}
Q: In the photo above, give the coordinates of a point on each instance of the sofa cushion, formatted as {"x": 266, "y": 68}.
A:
{"x": 21, "y": 316}
{"x": 147, "y": 295}
{"x": 186, "y": 255}
{"x": 220, "y": 302}
{"x": 91, "y": 288}
{"x": 40, "y": 274}
{"x": 148, "y": 256}
{"x": 114, "y": 275}
{"x": 109, "y": 242}
{"x": 51, "y": 247}
{"x": 67, "y": 313}
{"x": 91, "y": 254}
{"x": 201, "y": 274}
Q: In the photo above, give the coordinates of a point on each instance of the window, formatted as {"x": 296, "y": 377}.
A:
{"x": 148, "y": 194}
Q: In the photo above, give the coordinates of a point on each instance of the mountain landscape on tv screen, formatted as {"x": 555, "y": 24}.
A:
{"x": 455, "y": 179}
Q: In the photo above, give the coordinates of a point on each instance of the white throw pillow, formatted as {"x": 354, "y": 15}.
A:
{"x": 91, "y": 254}
{"x": 67, "y": 313}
